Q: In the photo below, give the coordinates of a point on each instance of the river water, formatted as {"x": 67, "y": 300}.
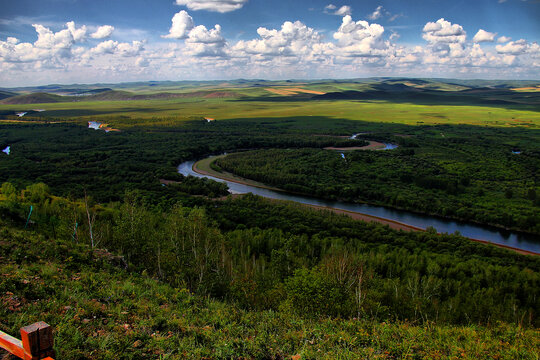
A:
{"x": 510, "y": 238}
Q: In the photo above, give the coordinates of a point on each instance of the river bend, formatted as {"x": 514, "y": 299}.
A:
{"x": 528, "y": 242}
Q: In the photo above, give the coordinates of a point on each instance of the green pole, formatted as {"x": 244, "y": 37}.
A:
{"x": 29, "y": 214}
{"x": 74, "y": 231}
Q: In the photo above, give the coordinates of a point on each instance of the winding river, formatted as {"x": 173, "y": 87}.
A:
{"x": 513, "y": 239}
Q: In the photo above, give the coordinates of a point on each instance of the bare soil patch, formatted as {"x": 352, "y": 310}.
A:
{"x": 292, "y": 91}
{"x": 305, "y": 91}
{"x": 530, "y": 88}
{"x": 281, "y": 92}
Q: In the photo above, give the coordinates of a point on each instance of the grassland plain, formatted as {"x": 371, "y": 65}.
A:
{"x": 256, "y": 101}
{"x": 128, "y": 113}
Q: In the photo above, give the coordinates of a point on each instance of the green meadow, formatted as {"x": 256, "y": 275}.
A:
{"x": 154, "y": 112}
{"x": 430, "y": 103}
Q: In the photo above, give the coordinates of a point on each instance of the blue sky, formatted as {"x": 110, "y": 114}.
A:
{"x": 67, "y": 41}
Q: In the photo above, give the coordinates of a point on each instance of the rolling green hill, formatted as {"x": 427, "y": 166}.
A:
{"x": 33, "y": 98}
{"x": 6, "y": 94}
{"x": 113, "y": 95}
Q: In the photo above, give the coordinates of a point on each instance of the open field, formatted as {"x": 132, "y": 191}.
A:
{"x": 409, "y": 101}
{"x": 172, "y": 112}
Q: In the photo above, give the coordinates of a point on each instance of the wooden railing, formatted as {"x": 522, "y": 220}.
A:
{"x": 36, "y": 342}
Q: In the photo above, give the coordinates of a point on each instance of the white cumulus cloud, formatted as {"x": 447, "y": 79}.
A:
{"x": 142, "y": 62}
{"x": 78, "y": 34}
{"x": 484, "y": 36}
{"x": 182, "y": 23}
{"x": 293, "y": 50}
{"x": 443, "y": 31}
{"x": 360, "y": 38}
{"x": 48, "y": 49}
{"x": 200, "y": 34}
{"x": 292, "y": 38}
{"x": 130, "y": 49}
{"x": 114, "y": 47}
{"x": 513, "y": 47}
{"x": 342, "y": 11}
{"x": 202, "y": 42}
{"x": 105, "y": 47}
{"x": 221, "y": 6}
{"x": 62, "y": 39}
{"x": 103, "y": 32}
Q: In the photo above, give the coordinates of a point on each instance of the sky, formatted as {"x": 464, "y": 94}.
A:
{"x": 107, "y": 41}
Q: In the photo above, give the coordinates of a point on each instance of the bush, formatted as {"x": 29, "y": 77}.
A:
{"x": 311, "y": 293}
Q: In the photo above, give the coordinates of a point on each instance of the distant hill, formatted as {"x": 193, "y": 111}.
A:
{"x": 34, "y": 98}
{"x": 413, "y": 90}
{"x": 165, "y": 85}
{"x": 112, "y": 95}
{"x": 115, "y": 95}
{"x": 83, "y": 92}
{"x": 405, "y": 92}
{"x": 6, "y": 94}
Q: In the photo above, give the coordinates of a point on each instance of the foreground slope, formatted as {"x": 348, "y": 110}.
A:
{"x": 99, "y": 310}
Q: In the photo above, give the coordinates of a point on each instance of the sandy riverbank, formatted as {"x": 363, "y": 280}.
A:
{"x": 202, "y": 167}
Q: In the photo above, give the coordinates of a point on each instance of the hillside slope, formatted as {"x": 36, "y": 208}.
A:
{"x": 6, "y": 94}
{"x": 34, "y": 98}
{"x": 110, "y": 95}
{"x": 99, "y": 310}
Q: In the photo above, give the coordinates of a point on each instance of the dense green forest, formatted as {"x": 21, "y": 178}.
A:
{"x": 460, "y": 172}
{"x": 71, "y": 158}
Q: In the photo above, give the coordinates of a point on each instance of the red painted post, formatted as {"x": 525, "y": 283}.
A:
{"x": 36, "y": 343}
